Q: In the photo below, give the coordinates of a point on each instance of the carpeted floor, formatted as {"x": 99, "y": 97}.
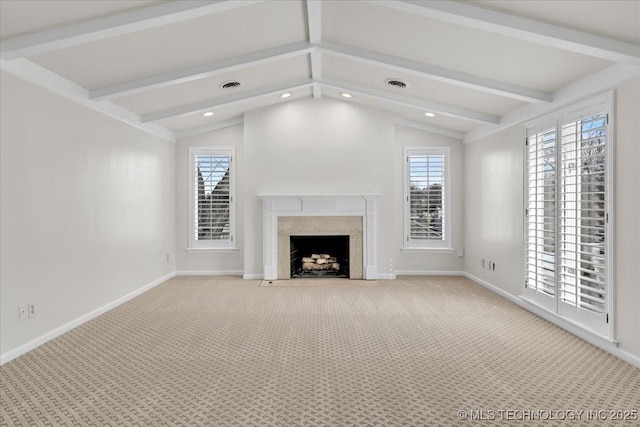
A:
{"x": 203, "y": 351}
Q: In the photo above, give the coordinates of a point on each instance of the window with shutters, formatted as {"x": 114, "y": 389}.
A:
{"x": 427, "y": 198}
{"x": 212, "y": 206}
{"x": 568, "y": 192}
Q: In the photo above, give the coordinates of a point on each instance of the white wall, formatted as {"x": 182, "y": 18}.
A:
{"x": 87, "y": 210}
{"x": 214, "y": 261}
{"x": 429, "y": 262}
{"x": 317, "y": 146}
{"x": 493, "y": 212}
{"x": 627, "y": 216}
{"x": 493, "y": 209}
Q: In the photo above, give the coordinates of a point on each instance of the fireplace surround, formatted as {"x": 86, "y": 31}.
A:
{"x": 352, "y": 216}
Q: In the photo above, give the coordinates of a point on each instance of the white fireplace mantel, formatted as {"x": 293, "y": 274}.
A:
{"x": 319, "y": 205}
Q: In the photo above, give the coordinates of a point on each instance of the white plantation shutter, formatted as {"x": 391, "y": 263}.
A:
{"x": 427, "y": 192}
{"x": 583, "y": 218}
{"x": 567, "y": 203}
{"x": 212, "y": 207}
{"x": 540, "y": 212}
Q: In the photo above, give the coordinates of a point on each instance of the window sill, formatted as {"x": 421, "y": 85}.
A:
{"x": 431, "y": 250}
{"x": 200, "y": 250}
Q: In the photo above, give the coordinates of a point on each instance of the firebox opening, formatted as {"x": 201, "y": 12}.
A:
{"x": 319, "y": 256}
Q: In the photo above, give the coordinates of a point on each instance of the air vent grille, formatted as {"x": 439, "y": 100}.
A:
{"x": 396, "y": 83}
{"x": 230, "y": 85}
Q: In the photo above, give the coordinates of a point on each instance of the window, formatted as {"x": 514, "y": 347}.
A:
{"x": 567, "y": 205}
{"x": 211, "y": 206}
{"x": 427, "y": 198}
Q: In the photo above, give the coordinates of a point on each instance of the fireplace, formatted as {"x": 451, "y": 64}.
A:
{"x": 323, "y": 231}
{"x": 348, "y": 216}
{"x": 319, "y": 256}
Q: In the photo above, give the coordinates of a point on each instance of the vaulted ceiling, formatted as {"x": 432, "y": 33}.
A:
{"x": 474, "y": 66}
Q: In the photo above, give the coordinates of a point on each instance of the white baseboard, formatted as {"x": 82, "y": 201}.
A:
{"x": 591, "y": 338}
{"x": 18, "y": 351}
{"x": 384, "y": 276}
{"x": 209, "y": 273}
{"x": 253, "y": 276}
{"x": 428, "y": 273}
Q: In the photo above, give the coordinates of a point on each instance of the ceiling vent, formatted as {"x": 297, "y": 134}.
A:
{"x": 230, "y": 85}
{"x": 396, "y": 83}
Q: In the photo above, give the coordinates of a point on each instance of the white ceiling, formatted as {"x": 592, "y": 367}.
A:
{"x": 478, "y": 65}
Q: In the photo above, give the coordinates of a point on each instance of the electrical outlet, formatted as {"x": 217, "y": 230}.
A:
{"x": 32, "y": 311}
{"x": 23, "y": 312}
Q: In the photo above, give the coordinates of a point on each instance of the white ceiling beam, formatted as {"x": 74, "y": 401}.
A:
{"x": 419, "y": 104}
{"x": 314, "y": 20}
{"x": 436, "y": 73}
{"x": 430, "y": 128}
{"x": 521, "y": 28}
{"x": 314, "y": 25}
{"x": 114, "y": 25}
{"x": 592, "y": 85}
{"x": 210, "y": 128}
{"x": 228, "y": 100}
{"x": 202, "y": 71}
{"x": 34, "y": 73}
{"x": 316, "y": 72}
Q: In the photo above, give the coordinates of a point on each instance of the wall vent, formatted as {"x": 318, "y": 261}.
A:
{"x": 230, "y": 85}
{"x": 396, "y": 83}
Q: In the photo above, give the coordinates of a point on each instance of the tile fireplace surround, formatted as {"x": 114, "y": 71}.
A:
{"x": 354, "y": 216}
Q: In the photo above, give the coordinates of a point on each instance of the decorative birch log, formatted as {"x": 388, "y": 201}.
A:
{"x": 320, "y": 262}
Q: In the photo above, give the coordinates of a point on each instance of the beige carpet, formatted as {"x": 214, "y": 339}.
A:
{"x": 198, "y": 351}
{"x": 319, "y": 282}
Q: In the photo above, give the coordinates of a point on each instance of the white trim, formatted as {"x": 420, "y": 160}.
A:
{"x": 436, "y": 73}
{"x": 209, "y": 273}
{"x": 363, "y": 206}
{"x": 213, "y": 127}
{"x": 213, "y": 249}
{"x": 594, "y": 84}
{"x": 228, "y": 100}
{"x": 580, "y": 332}
{"x": 386, "y": 276}
{"x": 113, "y": 25}
{"x": 314, "y": 20}
{"x": 253, "y": 276}
{"x": 202, "y": 71}
{"x": 36, "y": 74}
{"x": 213, "y": 245}
{"x": 20, "y": 350}
{"x": 520, "y": 28}
{"x": 410, "y": 102}
{"x": 316, "y": 73}
{"x": 602, "y": 103}
{"x": 429, "y": 273}
{"x": 418, "y": 245}
{"x": 429, "y": 128}
{"x": 431, "y": 250}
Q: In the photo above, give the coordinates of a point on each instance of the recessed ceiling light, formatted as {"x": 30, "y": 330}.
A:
{"x": 429, "y": 114}
{"x": 346, "y": 95}
{"x": 285, "y": 95}
{"x": 208, "y": 114}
